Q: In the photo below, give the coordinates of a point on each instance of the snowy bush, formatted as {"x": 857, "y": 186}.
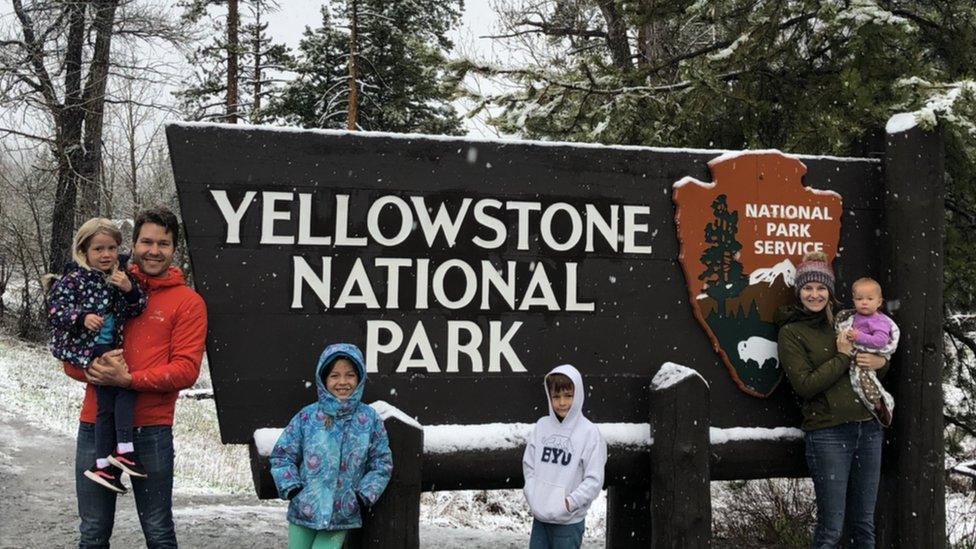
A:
{"x": 768, "y": 512}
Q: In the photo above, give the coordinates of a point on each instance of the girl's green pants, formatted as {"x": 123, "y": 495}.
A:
{"x": 300, "y": 537}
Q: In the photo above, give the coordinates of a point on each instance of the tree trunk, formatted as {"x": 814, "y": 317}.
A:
{"x": 133, "y": 182}
{"x": 652, "y": 40}
{"x": 256, "y": 42}
{"x": 94, "y": 102}
{"x": 352, "y": 113}
{"x": 616, "y": 35}
{"x": 233, "y": 21}
{"x": 70, "y": 156}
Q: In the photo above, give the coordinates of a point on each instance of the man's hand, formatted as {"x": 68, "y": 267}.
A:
{"x": 120, "y": 281}
{"x": 109, "y": 369}
{"x": 867, "y": 361}
{"x": 93, "y": 322}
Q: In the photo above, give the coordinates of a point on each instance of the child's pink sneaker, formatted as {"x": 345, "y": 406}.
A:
{"x": 128, "y": 463}
{"x": 107, "y": 478}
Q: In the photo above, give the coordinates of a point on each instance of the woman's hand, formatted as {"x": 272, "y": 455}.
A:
{"x": 844, "y": 345}
{"x": 867, "y": 361}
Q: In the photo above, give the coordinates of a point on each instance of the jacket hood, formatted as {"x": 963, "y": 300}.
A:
{"x": 575, "y": 410}
{"x": 174, "y": 277}
{"x": 330, "y": 404}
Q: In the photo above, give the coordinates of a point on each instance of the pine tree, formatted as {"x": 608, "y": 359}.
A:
{"x": 400, "y": 61}
{"x": 805, "y": 76}
{"x": 723, "y": 271}
{"x": 250, "y": 54}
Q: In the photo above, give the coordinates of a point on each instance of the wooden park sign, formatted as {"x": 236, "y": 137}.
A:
{"x": 467, "y": 269}
{"x": 741, "y": 237}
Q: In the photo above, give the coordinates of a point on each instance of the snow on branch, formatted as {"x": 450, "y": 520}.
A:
{"x": 952, "y": 102}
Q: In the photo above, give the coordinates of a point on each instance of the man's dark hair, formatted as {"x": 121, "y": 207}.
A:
{"x": 160, "y": 215}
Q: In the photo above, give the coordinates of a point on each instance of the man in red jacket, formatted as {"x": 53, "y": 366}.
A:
{"x": 161, "y": 354}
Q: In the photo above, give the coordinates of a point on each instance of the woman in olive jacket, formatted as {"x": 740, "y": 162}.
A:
{"x": 843, "y": 439}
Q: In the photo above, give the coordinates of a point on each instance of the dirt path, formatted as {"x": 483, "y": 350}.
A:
{"x": 38, "y": 506}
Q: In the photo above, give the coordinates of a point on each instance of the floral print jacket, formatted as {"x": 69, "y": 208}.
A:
{"x": 334, "y": 455}
{"x": 80, "y": 292}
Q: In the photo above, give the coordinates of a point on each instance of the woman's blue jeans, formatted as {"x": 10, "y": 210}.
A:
{"x": 153, "y": 495}
{"x": 845, "y": 463}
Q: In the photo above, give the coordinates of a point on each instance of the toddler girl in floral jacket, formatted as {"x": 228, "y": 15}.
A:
{"x": 87, "y": 309}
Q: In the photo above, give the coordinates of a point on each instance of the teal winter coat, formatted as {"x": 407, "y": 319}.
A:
{"x": 334, "y": 455}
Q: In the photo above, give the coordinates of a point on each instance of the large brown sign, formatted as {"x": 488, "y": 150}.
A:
{"x": 466, "y": 270}
{"x": 741, "y": 237}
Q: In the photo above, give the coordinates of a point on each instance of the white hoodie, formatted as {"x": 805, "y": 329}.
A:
{"x": 564, "y": 460}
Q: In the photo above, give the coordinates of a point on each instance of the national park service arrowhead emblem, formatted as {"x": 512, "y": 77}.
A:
{"x": 741, "y": 237}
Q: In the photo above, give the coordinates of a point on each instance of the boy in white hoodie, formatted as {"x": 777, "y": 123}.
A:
{"x": 563, "y": 464}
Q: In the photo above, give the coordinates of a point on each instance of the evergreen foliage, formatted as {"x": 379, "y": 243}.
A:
{"x": 401, "y": 63}
{"x": 261, "y": 63}
{"x": 805, "y": 76}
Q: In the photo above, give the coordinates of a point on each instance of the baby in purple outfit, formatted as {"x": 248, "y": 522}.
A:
{"x": 871, "y": 331}
{"x": 871, "y": 328}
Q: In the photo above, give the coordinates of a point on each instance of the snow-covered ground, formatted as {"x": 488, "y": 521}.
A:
{"x": 214, "y": 501}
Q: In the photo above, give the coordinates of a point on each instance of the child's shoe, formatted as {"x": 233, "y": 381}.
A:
{"x": 107, "y": 477}
{"x": 128, "y": 463}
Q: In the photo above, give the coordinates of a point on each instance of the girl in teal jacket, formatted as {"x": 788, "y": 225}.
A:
{"x": 333, "y": 459}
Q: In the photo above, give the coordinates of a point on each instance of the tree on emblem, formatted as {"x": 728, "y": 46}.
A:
{"x": 723, "y": 276}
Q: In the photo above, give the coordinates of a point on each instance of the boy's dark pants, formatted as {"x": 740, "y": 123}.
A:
{"x": 153, "y": 495}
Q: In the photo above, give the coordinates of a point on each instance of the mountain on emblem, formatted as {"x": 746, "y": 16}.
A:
{"x": 740, "y": 237}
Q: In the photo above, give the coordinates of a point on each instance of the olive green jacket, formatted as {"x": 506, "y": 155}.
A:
{"x": 817, "y": 371}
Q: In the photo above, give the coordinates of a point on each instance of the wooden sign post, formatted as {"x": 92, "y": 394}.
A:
{"x": 467, "y": 269}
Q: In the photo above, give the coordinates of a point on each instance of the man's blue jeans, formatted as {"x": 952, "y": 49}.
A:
{"x": 845, "y": 463}
{"x": 153, "y": 495}
{"x": 556, "y": 536}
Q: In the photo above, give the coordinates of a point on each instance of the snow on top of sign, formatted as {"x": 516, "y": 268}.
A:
{"x": 463, "y": 140}
{"x": 444, "y": 439}
{"x": 784, "y": 268}
{"x": 901, "y": 122}
{"x": 387, "y": 410}
{"x": 732, "y": 434}
{"x": 671, "y": 373}
{"x": 824, "y": 192}
{"x": 736, "y": 154}
{"x": 265, "y": 439}
{"x": 626, "y": 434}
{"x": 688, "y": 179}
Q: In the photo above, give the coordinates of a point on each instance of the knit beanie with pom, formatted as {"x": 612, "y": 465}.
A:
{"x": 814, "y": 268}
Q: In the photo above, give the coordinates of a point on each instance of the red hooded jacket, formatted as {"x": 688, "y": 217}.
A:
{"x": 163, "y": 348}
